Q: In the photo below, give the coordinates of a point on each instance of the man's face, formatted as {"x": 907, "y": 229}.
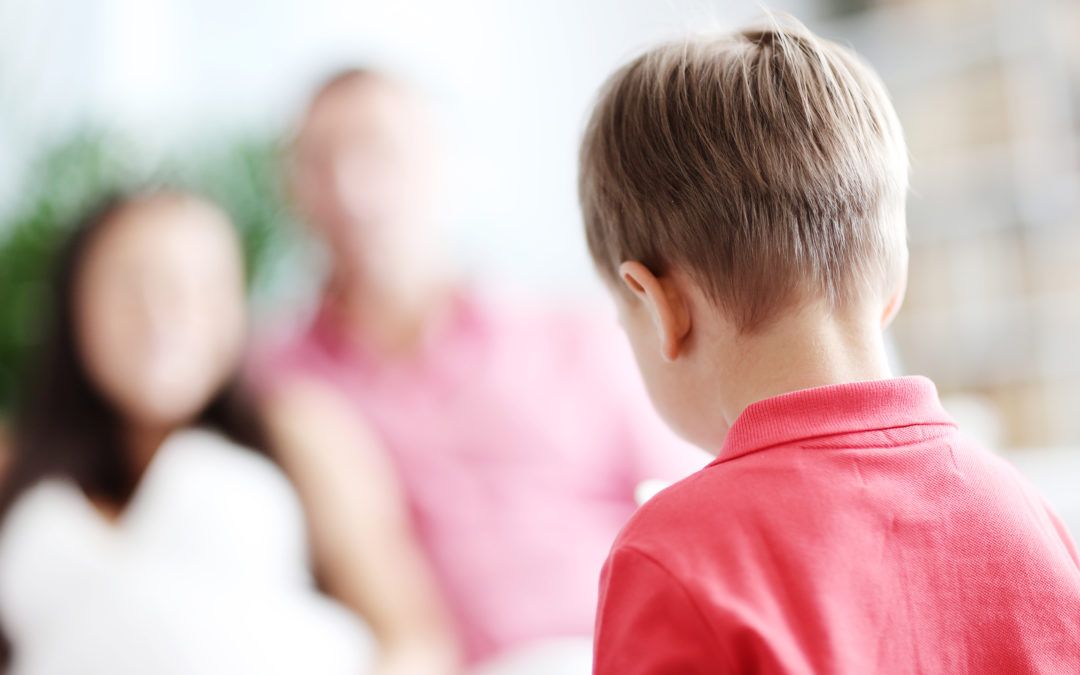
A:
{"x": 362, "y": 175}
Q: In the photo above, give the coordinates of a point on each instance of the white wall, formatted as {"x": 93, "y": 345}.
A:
{"x": 511, "y": 81}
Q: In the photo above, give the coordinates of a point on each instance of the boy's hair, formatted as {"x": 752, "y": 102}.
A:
{"x": 769, "y": 163}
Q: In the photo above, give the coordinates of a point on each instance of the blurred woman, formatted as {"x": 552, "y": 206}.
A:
{"x": 146, "y": 526}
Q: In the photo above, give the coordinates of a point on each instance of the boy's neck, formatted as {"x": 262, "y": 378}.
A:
{"x": 809, "y": 349}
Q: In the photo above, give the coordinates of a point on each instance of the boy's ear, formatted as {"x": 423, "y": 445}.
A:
{"x": 895, "y": 299}
{"x": 666, "y": 303}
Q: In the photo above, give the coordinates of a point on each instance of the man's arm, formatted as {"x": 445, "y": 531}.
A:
{"x": 362, "y": 542}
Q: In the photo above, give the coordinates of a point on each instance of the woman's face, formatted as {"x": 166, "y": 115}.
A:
{"x": 159, "y": 309}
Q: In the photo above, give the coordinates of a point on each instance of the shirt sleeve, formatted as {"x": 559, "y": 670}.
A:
{"x": 1063, "y": 533}
{"x": 648, "y": 624}
{"x": 1037, "y": 501}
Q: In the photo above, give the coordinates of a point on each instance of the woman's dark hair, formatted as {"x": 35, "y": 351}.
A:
{"x": 65, "y": 427}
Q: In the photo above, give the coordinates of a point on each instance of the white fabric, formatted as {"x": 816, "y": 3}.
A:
{"x": 205, "y": 573}
{"x": 562, "y": 656}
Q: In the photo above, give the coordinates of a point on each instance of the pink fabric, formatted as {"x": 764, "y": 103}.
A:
{"x": 519, "y": 435}
{"x": 845, "y": 529}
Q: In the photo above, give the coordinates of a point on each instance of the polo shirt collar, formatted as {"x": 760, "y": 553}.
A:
{"x": 834, "y": 410}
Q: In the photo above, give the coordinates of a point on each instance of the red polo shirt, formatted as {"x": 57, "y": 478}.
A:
{"x": 843, "y": 529}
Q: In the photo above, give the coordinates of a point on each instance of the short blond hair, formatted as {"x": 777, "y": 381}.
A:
{"x": 769, "y": 163}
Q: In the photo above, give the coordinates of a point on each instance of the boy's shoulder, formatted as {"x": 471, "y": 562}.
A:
{"x": 696, "y": 506}
{"x": 734, "y": 504}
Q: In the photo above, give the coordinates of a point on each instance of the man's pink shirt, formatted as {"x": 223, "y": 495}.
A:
{"x": 519, "y": 434}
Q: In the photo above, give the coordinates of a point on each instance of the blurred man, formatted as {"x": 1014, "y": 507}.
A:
{"x": 520, "y": 434}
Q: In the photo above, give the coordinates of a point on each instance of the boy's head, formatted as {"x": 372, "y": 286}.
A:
{"x": 762, "y": 172}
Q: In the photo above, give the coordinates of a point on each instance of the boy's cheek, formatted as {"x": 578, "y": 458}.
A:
{"x": 636, "y": 322}
{"x": 619, "y": 302}
{"x": 646, "y": 349}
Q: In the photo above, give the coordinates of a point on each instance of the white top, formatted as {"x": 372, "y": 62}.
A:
{"x": 205, "y": 573}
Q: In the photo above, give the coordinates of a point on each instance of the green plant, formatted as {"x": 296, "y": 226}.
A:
{"x": 68, "y": 177}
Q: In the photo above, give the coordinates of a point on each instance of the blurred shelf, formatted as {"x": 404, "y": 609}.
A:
{"x": 989, "y": 95}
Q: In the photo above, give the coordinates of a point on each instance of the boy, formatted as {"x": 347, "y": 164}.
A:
{"x": 744, "y": 198}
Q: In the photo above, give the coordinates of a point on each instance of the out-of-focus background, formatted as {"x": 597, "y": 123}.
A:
{"x": 94, "y": 93}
